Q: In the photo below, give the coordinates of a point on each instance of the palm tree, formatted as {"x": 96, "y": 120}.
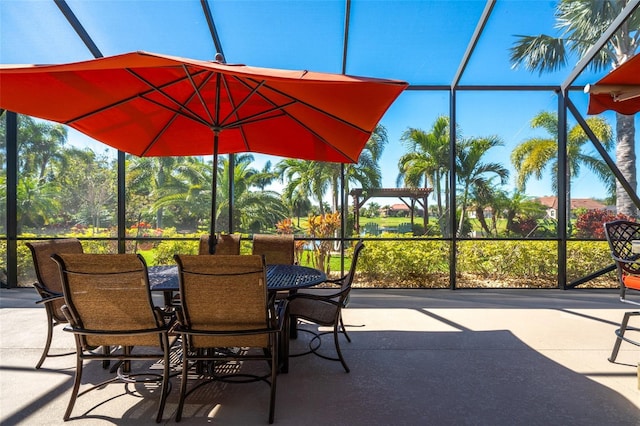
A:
{"x": 481, "y": 196}
{"x": 531, "y": 157}
{"x": 472, "y": 172}
{"x": 264, "y": 177}
{"x": 366, "y": 172}
{"x": 426, "y": 162}
{"x": 307, "y": 178}
{"x": 582, "y": 23}
{"x": 163, "y": 177}
{"x": 516, "y": 205}
{"x": 253, "y": 210}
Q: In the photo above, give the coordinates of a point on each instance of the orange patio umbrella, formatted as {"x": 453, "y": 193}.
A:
{"x": 617, "y": 91}
{"x": 148, "y": 104}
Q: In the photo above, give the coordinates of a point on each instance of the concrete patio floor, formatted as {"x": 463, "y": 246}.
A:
{"x": 417, "y": 357}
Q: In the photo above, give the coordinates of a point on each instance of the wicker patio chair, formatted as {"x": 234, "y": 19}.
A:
{"x": 324, "y": 307}
{"x": 49, "y": 285}
{"x": 226, "y": 316}
{"x": 277, "y": 249}
{"x": 620, "y": 234}
{"x": 108, "y": 303}
{"x": 225, "y": 244}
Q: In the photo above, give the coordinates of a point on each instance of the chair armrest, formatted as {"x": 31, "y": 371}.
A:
{"x": 46, "y": 294}
{"x": 244, "y": 332}
{"x": 89, "y": 332}
{"x": 633, "y": 259}
{"x": 322, "y": 297}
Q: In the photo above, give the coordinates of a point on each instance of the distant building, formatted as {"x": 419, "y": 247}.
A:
{"x": 399, "y": 210}
{"x": 551, "y": 203}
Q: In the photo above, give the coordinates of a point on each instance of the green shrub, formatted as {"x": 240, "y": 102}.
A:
{"x": 404, "y": 263}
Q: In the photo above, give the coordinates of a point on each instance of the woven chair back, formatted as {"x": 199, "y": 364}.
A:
{"x": 47, "y": 272}
{"x": 277, "y": 249}
{"x": 226, "y": 244}
{"x": 109, "y": 292}
{"x": 224, "y": 292}
{"x": 348, "y": 279}
{"x": 620, "y": 234}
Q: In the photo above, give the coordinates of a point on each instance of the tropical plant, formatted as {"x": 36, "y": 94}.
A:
{"x": 366, "y": 172}
{"x": 518, "y": 207}
{"x": 472, "y": 172}
{"x": 263, "y": 178}
{"x": 305, "y": 179}
{"x": 581, "y": 24}
{"x": 534, "y": 155}
{"x": 323, "y": 226}
{"x": 427, "y": 162}
{"x": 167, "y": 183}
{"x": 254, "y": 209}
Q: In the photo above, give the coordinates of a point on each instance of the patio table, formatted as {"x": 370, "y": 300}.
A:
{"x": 279, "y": 278}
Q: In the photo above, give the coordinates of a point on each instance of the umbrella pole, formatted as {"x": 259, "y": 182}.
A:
{"x": 214, "y": 191}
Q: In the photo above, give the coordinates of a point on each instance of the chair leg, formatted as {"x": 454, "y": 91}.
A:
{"x": 274, "y": 374}
{"x": 165, "y": 382}
{"x": 76, "y": 386}
{"x": 344, "y": 330}
{"x": 283, "y": 347}
{"x": 47, "y": 345}
{"x": 183, "y": 384}
{"x": 337, "y": 343}
{"x": 620, "y": 333}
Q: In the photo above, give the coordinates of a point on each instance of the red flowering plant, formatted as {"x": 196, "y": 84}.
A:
{"x": 590, "y": 224}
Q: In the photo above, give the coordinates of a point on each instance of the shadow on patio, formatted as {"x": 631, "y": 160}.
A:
{"x": 417, "y": 357}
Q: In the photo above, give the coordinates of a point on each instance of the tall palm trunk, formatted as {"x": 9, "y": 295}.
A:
{"x": 626, "y": 162}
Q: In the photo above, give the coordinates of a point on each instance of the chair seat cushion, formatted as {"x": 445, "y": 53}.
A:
{"x": 315, "y": 310}
{"x": 632, "y": 281}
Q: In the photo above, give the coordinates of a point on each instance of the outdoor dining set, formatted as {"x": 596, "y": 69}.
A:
{"x": 221, "y": 310}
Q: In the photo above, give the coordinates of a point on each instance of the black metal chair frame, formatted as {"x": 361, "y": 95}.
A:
{"x": 620, "y": 234}
{"x": 338, "y": 299}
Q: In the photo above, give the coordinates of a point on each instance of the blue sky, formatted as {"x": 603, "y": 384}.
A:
{"x": 421, "y": 42}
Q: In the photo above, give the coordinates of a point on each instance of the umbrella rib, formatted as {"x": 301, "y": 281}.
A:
{"x": 177, "y": 112}
{"x": 124, "y": 101}
{"x": 242, "y": 102}
{"x": 182, "y": 106}
{"x": 235, "y": 112}
{"x": 334, "y": 117}
{"x": 196, "y": 90}
{"x": 158, "y": 135}
{"x": 281, "y": 108}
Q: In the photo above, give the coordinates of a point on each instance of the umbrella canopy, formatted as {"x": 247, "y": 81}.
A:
{"x": 148, "y": 104}
{"x": 618, "y": 91}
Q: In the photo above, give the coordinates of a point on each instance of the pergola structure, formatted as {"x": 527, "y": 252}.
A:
{"x": 414, "y": 195}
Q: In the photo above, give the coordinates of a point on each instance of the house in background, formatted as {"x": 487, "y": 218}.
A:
{"x": 551, "y": 203}
{"x": 399, "y": 210}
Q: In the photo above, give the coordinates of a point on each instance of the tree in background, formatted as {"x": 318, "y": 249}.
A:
{"x": 426, "y": 163}
{"x": 581, "y": 23}
{"x": 534, "y": 155}
{"x": 472, "y": 172}
{"x": 366, "y": 172}
{"x": 306, "y": 178}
